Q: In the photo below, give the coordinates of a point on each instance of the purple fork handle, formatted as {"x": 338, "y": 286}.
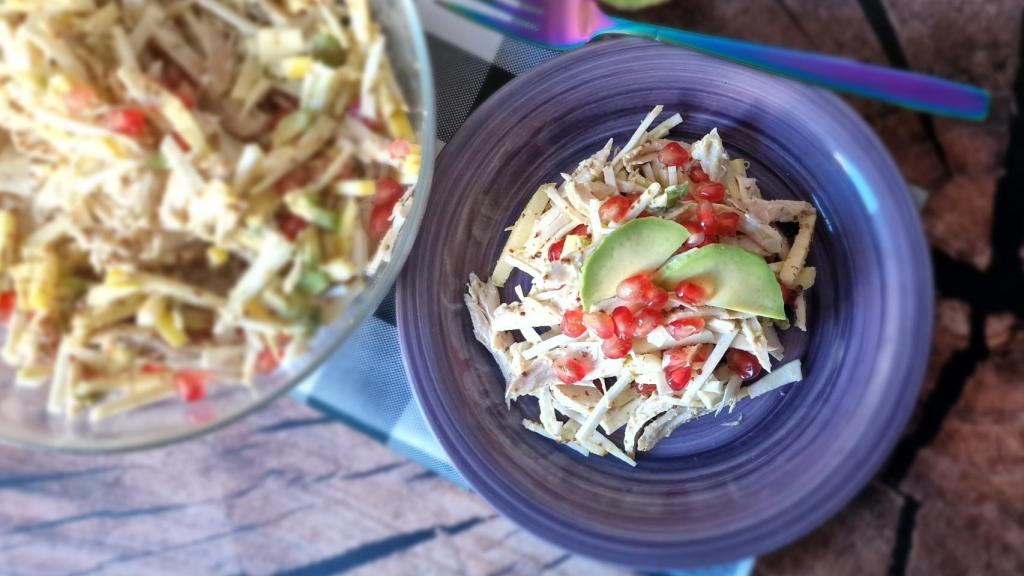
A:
{"x": 907, "y": 89}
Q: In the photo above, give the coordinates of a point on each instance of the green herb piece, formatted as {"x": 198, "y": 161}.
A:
{"x": 328, "y": 50}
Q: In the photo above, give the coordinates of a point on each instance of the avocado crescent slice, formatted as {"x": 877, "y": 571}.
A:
{"x": 736, "y": 279}
{"x": 640, "y": 245}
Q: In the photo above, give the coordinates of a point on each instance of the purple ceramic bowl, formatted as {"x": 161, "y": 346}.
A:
{"x": 709, "y": 493}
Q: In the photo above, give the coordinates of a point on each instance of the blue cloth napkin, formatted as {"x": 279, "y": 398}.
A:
{"x": 364, "y": 384}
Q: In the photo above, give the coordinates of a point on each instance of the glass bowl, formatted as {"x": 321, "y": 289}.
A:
{"x": 23, "y": 417}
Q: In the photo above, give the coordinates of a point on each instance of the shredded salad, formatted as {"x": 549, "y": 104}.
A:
{"x": 659, "y": 282}
{"x": 188, "y": 190}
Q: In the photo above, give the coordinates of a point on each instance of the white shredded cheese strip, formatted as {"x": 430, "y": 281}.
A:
{"x": 800, "y": 312}
{"x": 131, "y": 401}
{"x": 798, "y": 252}
{"x": 547, "y": 413}
{"x": 546, "y": 346}
{"x": 367, "y": 103}
{"x": 716, "y": 355}
{"x": 609, "y": 177}
{"x": 515, "y": 261}
{"x": 609, "y": 446}
{"x": 529, "y": 334}
{"x": 782, "y": 375}
{"x": 537, "y": 428}
{"x": 556, "y": 199}
{"x": 729, "y": 396}
{"x": 589, "y": 426}
{"x": 243, "y": 25}
{"x": 519, "y": 234}
{"x": 638, "y": 136}
{"x": 56, "y": 402}
{"x": 662, "y": 130}
{"x": 644, "y": 201}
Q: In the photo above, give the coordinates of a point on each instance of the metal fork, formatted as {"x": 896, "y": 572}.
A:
{"x": 567, "y": 24}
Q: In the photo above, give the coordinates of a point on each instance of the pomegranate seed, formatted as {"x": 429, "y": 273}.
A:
{"x": 571, "y": 370}
{"x": 555, "y": 250}
{"x": 297, "y": 178}
{"x": 697, "y": 174}
{"x": 710, "y": 191}
{"x": 655, "y": 297}
{"x": 399, "y": 149}
{"x": 267, "y": 361}
{"x": 79, "y": 100}
{"x": 386, "y": 195}
{"x": 7, "y": 302}
{"x": 616, "y": 347}
{"x": 701, "y": 353}
{"x": 728, "y": 223}
{"x": 646, "y": 320}
{"x": 673, "y": 154}
{"x": 634, "y": 288}
{"x": 614, "y": 209}
{"x": 191, "y": 384}
{"x": 388, "y": 192}
{"x": 676, "y": 357}
{"x": 787, "y": 293}
{"x": 692, "y": 226}
{"x": 685, "y": 327}
{"x": 645, "y": 389}
{"x": 744, "y": 364}
{"x": 290, "y": 225}
{"x": 623, "y": 319}
{"x": 380, "y": 221}
{"x": 707, "y": 218}
{"x": 600, "y": 324}
{"x": 127, "y": 121}
{"x": 696, "y": 237}
{"x": 150, "y": 368}
{"x": 691, "y": 293}
{"x": 679, "y": 377}
{"x": 572, "y": 323}
{"x": 580, "y": 230}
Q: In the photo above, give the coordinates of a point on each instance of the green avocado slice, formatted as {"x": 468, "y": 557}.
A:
{"x": 735, "y": 278}
{"x": 639, "y": 245}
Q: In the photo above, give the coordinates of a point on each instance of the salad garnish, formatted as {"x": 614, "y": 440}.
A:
{"x": 659, "y": 279}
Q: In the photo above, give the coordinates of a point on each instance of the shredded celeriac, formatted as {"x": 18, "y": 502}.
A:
{"x": 189, "y": 190}
{"x": 585, "y": 395}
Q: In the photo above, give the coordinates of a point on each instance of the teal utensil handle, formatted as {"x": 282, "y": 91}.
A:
{"x": 909, "y": 89}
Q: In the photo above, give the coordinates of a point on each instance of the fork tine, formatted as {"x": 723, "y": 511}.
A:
{"x": 515, "y": 27}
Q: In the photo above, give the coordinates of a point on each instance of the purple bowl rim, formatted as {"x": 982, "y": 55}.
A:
{"x": 659, "y": 556}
